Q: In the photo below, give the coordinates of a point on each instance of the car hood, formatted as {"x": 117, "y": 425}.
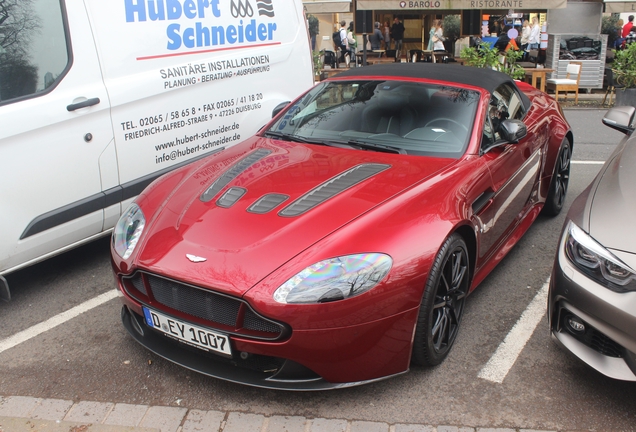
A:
{"x": 614, "y": 205}
{"x": 237, "y": 245}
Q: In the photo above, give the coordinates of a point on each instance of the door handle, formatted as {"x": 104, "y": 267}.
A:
{"x": 483, "y": 201}
{"x": 83, "y": 104}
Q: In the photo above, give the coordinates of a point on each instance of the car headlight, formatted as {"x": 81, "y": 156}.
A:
{"x": 335, "y": 279}
{"x": 597, "y": 262}
{"x": 128, "y": 230}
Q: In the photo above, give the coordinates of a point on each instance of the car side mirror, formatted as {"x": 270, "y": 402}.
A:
{"x": 620, "y": 118}
{"x": 279, "y": 108}
{"x": 513, "y": 130}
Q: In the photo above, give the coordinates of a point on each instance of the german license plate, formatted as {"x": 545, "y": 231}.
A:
{"x": 196, "y": 336}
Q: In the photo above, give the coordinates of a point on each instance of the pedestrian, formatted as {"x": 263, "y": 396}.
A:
{"x": 618, "y": 35}
{"x": 344, "y": 44}
{"x": 438, "y": 37}
{"x": 397, "y": 34}
{"x": 627, "y": 28}
{"x": 535, "y": 35}
{"x": 352, "y": 41}
{"x": 376, "y": 38}
{"x": 631, "y": 36}
{"x": 431, "y": 33}
{"x": 386, "y": 31}
{"x": 502, "y": 42}
{"x": 525, "y": 34}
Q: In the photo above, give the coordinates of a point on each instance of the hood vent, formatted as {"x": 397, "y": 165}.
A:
{"x": 267, "y": 203}
{"x": 233, "y": 173}
{"x": 231, "y": 196}
{"x": 332, "y": 187}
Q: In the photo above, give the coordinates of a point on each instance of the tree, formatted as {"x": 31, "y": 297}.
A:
{"x": 452, "y": 31}
{"x": 18, "y": 25}
{"x": 609, "y": 26}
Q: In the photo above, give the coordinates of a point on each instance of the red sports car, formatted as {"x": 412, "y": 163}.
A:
{"x": 338, "y": 245}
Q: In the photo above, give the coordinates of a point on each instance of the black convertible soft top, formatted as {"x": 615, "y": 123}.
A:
{"x": 487, "y": 79}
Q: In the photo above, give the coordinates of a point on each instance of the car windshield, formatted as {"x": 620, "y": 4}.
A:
{"x": 394, "y": 116}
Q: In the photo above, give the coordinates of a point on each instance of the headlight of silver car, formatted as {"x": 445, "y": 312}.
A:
{"x": 597, "y": 262}
{"x": 335, "y": 279}
{"x": 128, "y": 230}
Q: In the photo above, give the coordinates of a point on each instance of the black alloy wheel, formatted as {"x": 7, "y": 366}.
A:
{"x": 442, "y": 303}
{"x": 560, "y": 180}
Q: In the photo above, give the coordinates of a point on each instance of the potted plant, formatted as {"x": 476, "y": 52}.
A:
{"x": 624, "y": 69}
{"x": 486, "y": 57}
{"x": 318, "y": 65}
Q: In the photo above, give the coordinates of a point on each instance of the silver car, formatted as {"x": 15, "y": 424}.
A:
{"x": 592, "y": 299}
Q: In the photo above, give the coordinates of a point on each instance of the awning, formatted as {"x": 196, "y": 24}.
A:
{"x": 327, "y": 6}
{"x": 618, "y": 6}
{"x": 460, "y": 4}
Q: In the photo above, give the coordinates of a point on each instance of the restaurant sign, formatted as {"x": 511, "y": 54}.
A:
{"x": 460, "y": 4}
{"x": 620, "y": 6}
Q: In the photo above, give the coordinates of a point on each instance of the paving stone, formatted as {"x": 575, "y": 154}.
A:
{"x": 167, "y": 419}
{"x": 495, "y": 430}
{"x": 414, "y": 428}
{"x": 89, "y": 412}
{"x": 240, "y": 422}
{"x": 286, "y": 424}
{"x": 126, "y": 414}
{"x": 51, "y": 409}
{"x": 454, "y": 429}
{"x": 18, "y": 406}
{"x": 365, "y": 426}
{"x": 328, "y": 425}
{"x": 15, "y": 424}
{"x": 536, "y": 430}
{"x": 203, "y": 421}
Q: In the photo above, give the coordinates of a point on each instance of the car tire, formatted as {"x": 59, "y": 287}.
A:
{"x": 442, "y": 303}
{"x": 560, "y": 180}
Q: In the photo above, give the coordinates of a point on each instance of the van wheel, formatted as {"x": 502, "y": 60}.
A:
{"x": 442, "y": 303}
{"x": 560, "y": 180}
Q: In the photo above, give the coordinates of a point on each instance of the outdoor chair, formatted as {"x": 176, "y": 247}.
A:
{"x": 567, "y": 84}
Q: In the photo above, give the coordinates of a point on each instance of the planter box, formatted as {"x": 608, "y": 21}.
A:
{"x": 625, "y": 97}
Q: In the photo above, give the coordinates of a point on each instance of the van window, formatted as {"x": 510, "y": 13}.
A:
{"x": 33, "y": 49}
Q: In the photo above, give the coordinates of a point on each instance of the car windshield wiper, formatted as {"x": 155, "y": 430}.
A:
{"x": 376, "y": 147}
{"x": 292, "y": 137}
{"x": 285, "y": 136}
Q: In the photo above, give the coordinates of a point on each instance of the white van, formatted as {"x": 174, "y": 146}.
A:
{"x": 98, "y": 98}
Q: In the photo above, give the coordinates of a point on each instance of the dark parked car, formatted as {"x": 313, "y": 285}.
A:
{"x": 592, "y": 299}
{"x": 338, "y": 245}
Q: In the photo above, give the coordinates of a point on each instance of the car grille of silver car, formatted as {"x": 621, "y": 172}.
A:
{"x": 594, "y": 339}
{"x": 219, "y": 311}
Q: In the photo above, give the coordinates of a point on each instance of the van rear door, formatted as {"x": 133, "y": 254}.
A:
{"x": 57, "y": 154}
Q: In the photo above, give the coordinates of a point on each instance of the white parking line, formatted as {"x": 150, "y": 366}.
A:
{"x": 506, "y": 355}
{"x": 55, "y": 321}
{"x": 582, "y": 162}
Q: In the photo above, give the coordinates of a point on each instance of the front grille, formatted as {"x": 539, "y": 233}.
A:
{"x": 594, "y": 339}
{"x": 601, "y": 343}
{"x": 194, "y": 301}
{"x": 225, "y": 313}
